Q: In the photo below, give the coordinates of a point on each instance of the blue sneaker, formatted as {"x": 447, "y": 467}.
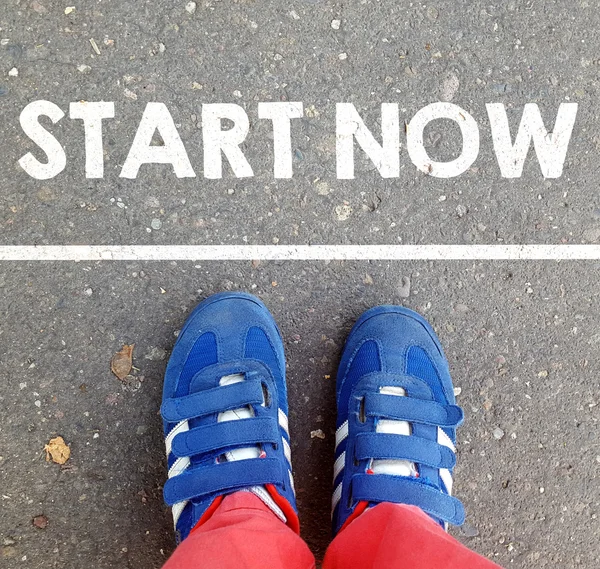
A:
{"x": 225, "y": 412}
{"x": 397, "y": 419}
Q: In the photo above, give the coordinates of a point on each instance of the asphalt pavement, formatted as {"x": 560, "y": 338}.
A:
{"x": 522, "y": 337}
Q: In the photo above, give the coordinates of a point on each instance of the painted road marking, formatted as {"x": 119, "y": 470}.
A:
{"x": 300, "y": 252}
{"x": 550, "y": 148}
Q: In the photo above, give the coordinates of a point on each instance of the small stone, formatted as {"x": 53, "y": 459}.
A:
{"x": 501, "y": 88}
{"x": 88, "y": 292}
{"x": 543, "y": 373}
{"x": 442, "y": 199}
{"x": 190, "y": 7}
{"x": 335, "y": 24}
{"x": 498, "y": 433}
{"x": 156, "y": 224}
{"x": 95, "y": 46}
{"x": 237, "y": 94}
{"x": 278, "y": 57}
{"x": 161, "y": 48}
{"x": 469, "y": 530}
{"x": 318, "y": 434}
{"x": 342, "y": 56}
{"x": 8, "y": 552}
{"x": 84, "y": 68}
{"x": 38, "y": 403}
{"x": 404, "y": 288}
{"x": 96, "y": 436}
{"x": 131, "y": 383}
{"x": 323, "y": 188}
{"x": 432, "y": 13}
{"x": 311, "y": 112}
{"x": 130, "y": 94}
{"x": 487, "y": 405}
{"x": 230, "y": 191}
{"x": 542, "y": 490}
{"x": 40, "y": 522}
{"x": 592, "y": 234}
{"x": 14, "y": 72}
{"x": 196, "y": 86}
{"x": 69, "y": 10}
{"x": 461, "y": 210}
{"x": 343, "y": 212}
{"x": 449, "y": 87}
{"x": 38, "y": 7}
{"x": 368, "y": 280}
{"x": 156, "y": 354}
{"x": 457, "y": 391}
{"x": 294, "y": 15}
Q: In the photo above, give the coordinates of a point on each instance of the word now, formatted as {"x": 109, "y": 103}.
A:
{"x": 550, "y": 148}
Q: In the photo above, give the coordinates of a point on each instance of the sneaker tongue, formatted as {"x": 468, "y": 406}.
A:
{"x": 234, "y": 415}
{"x": 245, "y": 453}
{"x": 400, "y": 467}
{"x": 394, "y": 467}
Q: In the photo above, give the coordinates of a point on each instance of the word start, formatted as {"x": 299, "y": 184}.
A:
{"x": 219, "y": 143}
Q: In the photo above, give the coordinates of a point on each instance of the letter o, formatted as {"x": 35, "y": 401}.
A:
{"x": 416, "y": 147}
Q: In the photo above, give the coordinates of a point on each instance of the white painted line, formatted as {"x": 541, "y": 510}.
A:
{"x": 299, "y": 252}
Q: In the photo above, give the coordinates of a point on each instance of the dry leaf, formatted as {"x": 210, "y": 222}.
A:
{"x": 57, "y": 450}
{"x": 120, "y": 364}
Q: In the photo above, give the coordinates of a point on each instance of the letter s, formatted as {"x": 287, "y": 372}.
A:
{"x": 57, "y": 160}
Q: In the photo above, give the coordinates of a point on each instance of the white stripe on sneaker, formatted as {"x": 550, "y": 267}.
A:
{"x": 341, "y": 434}
{"x": 445, "y": 475}
{"x": 338, "y": 465}
{"x": 337, "y": 496}
{"x": 177, "y": 510}
{"x": 283, "y": 422}
{"x": 179, "y": 466}
{"x": 287, "y": 450}
{"x": 181, "y": 427}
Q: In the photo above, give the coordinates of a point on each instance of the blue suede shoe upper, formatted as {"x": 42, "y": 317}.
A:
{"x": 393, "y": 350}
{"x": 227, "y": 334}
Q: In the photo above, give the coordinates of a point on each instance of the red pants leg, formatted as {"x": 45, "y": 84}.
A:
{"x": 242, "y": 534}
{"x": 393, "y": 536}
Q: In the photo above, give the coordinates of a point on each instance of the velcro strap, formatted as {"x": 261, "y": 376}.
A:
{"x": 386, "y": 488}
{"x": 412, "y": 410}
{"x": 239, "y": 433}
{"x": 215, "y": 400}
{"x": 402, "y": 447}
{"x": 222, "y": 479}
